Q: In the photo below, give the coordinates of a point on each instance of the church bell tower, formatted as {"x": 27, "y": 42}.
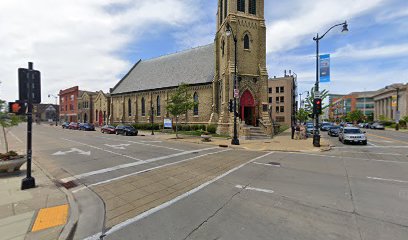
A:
{"x": 245, "y": 19}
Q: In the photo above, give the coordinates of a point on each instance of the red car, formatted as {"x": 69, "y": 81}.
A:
{"x": 73, "y": 126}
{"x": 108, "y": 129}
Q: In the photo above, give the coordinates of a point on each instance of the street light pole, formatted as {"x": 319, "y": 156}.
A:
{"x": 229, "y": 31}
{"x": 152, "y": 119}
{"x": 316, "y": 133}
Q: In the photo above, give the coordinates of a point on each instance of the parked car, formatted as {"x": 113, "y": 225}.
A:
{"x": 65, "y": 125}
{"x": 126, "y": 130}
{"x": 326, "y": 126}
{"x": 73, "y": 126}
{"x": 334, "y": 131}
{"x": 309, "y": 129}
{"x": 377, "y": 126}
{"x": 368, "y": 125}
{"x": 361, "y": 125}
{"x": 352, "y": 135}
{"x": 86, "y": 127}
{"x": 108, "y": 129}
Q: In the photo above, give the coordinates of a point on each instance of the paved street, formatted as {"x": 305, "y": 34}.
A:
{"x": 146, "y": 188}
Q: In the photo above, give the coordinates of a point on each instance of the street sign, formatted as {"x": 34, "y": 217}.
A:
{"x": 25, "y": 77}
{"x": 17, "y": 108}
{"x": 168, "y": 123}
{"x": 236, "y": 93}
{"x": 317, "y": 94}
{"x": 394, "y": 101}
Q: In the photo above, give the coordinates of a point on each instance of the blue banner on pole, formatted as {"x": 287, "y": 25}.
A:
{"x": 325, "y": 68}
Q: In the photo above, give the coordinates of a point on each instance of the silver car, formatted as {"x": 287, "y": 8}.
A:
{"x": 352, "y": 135}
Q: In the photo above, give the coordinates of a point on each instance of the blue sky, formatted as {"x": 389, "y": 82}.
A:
{"x": 94, "y": 43}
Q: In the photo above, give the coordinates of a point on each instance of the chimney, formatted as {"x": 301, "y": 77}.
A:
{"x": 290, "y": 72}
{"x": 284, "y": 73}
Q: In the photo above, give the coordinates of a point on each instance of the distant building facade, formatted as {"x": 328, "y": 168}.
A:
{"x": 386, "y": 100}
{"x": 282, "y": 94}
{"x": 69, "y": 104}
{"x": 102, "y": 108}
{"x": 345, "y": 104}
{"x": 45, "y": 112}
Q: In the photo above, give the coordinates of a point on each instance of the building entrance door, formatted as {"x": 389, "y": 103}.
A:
{"x": 248, "y": 108}
{"x": 100, "y": 119}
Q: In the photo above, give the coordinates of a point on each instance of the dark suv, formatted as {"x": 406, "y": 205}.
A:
{"x": 126, "y": 130}
{"x": 86, "y": 127}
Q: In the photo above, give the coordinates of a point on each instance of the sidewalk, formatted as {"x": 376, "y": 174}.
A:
{"x": 282, "y": 142}
{"x": 38, "y": 213}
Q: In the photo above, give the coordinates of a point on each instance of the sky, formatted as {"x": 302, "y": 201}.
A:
{"x": 94, "y": 43}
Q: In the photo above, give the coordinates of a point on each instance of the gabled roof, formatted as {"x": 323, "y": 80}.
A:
{"x": 192, "y": 66}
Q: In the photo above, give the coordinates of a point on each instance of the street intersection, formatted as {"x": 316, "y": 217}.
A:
{"x": 145, "y": 187}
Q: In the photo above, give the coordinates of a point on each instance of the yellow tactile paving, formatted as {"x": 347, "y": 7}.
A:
{"x": 50, "y": 217}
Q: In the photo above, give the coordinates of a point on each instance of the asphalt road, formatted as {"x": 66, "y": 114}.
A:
{"x": 351, "y": 192}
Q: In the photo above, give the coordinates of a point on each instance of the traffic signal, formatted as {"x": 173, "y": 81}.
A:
{"x": 17, "y": 108}
{"x": 231, "y": 106}
{"x": 317, "y": 106}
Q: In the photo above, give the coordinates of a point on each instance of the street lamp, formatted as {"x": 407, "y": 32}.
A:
{"x": 300, "y": 99}
{"x": 397, "y": 112}
{"x": 316, "y": 134}
{"x": 229, "y": 32}
{"x": 56, "y": 103}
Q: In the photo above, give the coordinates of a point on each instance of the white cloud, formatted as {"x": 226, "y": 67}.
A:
{"x": 378, "y": 52}
{"x": 76, "y": 42}
{"x": 310, "y": 17}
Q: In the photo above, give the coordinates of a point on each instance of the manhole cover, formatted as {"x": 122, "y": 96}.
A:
{"x": 69, "y": 185}
{"x": 223, "y": 146}
{"x": 195, "y": 152}
{"x": 274, "y": 164}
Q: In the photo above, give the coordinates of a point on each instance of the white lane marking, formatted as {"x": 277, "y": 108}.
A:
{"x": 151, "y": 141}
{"x": 371, "y": 147}
{"x": 101, "y": 149}
{"x": 371, "y": 144}
{"x": 355, "y": 158}
{"x": 14, "y": 136}
{"x": 119, "y": 146}
{"x": 254, "y": 189}
{"x": 392, "y": 154}
{"x": 73, "y": 150}
{"x": 265, "y": 164}
{"x": 387, "y": 180}
{"x": 174, "y": 200}
{"x": 141, "y": 143}
{"x": 110, "y": 169}
{"x": 146, "y": 170}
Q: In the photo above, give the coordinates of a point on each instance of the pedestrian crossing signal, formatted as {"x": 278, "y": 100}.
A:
{"x": 17, "y": 108}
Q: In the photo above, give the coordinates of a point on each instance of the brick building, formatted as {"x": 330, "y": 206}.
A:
{"x": 69, "y": 104}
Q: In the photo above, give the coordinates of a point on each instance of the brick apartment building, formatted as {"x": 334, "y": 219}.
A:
{"x": 69, "y": 104}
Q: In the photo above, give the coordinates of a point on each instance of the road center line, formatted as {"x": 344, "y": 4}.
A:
{"x": 174, "y": 200}
{"x": 387, "y": 180}
{"x": 147, "y": 170}
{"x": 110, "y": 169}
{"x": 141, "y": 143}
{"x": 355, "y": 158}
{"x": 254, "y": 189}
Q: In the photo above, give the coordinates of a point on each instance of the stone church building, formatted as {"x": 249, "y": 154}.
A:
{"x": 209, "y": 72}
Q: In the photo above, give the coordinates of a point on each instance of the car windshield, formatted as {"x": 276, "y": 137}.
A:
{"x": 129, "y": 127}
{"x": 352, "y": 131}
{"x": 335, "y": 128}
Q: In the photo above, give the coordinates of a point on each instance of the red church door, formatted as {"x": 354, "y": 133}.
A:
{"x": 100, "y": 118}
{"x": 248, "y": 108}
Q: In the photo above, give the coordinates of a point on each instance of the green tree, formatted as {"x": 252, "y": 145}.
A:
{"x": 309, "y": 100}
{"x": 302, "y": 115}
{"x": 180, "y": 103}
{"x": 355, "y": 116}
{"x": 7, "y": 120}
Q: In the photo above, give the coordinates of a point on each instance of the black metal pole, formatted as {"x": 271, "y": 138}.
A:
{"x": 152, "y": 120}
{"x": 29, "y": 181}
{"x": 235, "y": 140}
{"x": 316, "y": 134}
{"x": 397, "y": 113}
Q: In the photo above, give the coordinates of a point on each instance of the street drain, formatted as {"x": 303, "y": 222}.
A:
{"x": 276, "y": 164}
{"x": 69, "y": 185}
{"x": 195, "y": 152}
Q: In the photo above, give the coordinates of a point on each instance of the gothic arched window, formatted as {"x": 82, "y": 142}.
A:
{"x": 252, "y": 7}
{"x": 220, "y": 12}
{"x": 195, "y": 104}
{"x": 246, "y": 41}
{"x": 225, "y": 8}
{"x": 158, "y": 106}
{"x": 129, "y": 107}
{"x": 241, "y": 5}
{"x": 223, "y": 47}
{"x": 143, "y": 107}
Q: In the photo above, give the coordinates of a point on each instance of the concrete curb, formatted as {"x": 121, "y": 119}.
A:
{"x": 69, "y": 228}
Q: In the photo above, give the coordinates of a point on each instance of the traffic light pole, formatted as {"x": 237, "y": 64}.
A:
{"x": 29, "y": 181}
{"x": 316, "y": 133}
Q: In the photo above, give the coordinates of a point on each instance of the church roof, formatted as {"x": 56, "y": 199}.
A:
{"x": 192, "y": 66}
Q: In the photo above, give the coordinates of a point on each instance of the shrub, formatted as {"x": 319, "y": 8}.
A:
{"x": 403, "y": 123}
{"x": 212, "y": 129}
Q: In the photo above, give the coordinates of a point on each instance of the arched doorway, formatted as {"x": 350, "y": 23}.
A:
{"x": 248, "y": 108}
{"x": 85, "y": 118}
{"x": 100, "y": 118}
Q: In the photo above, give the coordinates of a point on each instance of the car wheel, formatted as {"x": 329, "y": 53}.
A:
{"x": 126, "y": 133}
{"x": 117, "y": 133}
{"x": 365, "y": 142}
